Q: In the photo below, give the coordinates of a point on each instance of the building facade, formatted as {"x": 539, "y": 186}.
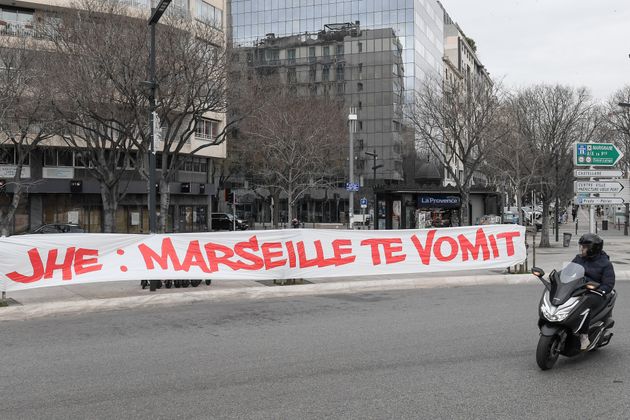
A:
{"x": 420, "y": 195}
{"x": 61, "y": 188}
{"x": 361, "y": 67}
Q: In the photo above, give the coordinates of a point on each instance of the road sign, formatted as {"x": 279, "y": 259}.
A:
{"x": 363, "y": 203}
{"x": 598, "y": 200}
{"x": 596, "y": 154}
{"x": 352, "y": 187}
{"x": 599, "y": 187}
{"x": 595, "y": 173}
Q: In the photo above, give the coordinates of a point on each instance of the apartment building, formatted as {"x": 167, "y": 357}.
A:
{"x": 62, "y": 188}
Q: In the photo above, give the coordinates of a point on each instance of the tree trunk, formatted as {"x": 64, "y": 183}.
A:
{"x": 275, "y": 195}
{"x": 290, "y": 207}
{"x": 6, "y": 219}
{"x": 109, "y": 198}
{"x": 165, "y": 196}
{"x": 465, "y": 216}
{"x": 544, "y": 234}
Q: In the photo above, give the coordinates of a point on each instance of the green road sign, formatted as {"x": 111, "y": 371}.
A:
{"x": 596, "y": 154}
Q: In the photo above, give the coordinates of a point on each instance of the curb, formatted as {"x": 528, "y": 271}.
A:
{"x": 13, "y": 313}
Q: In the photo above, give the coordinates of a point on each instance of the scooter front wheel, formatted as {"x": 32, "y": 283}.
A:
{"x": 548, "y": 351}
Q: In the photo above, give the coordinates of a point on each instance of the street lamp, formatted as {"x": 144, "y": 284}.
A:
{"x": 352, "y": 118}
{"x": 626, "y": 205}
{"x": 374, "y": 168}
{"x": 156, "y": 14}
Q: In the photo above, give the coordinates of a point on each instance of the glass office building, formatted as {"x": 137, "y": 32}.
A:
{"x": 417, "y": 25}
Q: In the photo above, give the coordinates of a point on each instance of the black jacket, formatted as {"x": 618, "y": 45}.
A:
{"x": 598, "y": 268}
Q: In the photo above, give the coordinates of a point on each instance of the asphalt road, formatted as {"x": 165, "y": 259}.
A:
{"x": 459, "y": 353}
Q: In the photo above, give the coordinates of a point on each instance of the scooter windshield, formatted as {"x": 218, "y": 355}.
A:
{"x": 571, "y": 272}
{"x": 569, "y": 279}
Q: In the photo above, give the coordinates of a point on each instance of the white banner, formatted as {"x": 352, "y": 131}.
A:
{"x": 29, "y": 261}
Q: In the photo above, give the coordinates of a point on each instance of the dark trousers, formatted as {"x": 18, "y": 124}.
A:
{"x": 595, "y": 302}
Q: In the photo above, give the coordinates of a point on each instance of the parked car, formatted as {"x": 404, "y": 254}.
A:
{"x": 59, "y": 228}
{"x": 225, "y": 221}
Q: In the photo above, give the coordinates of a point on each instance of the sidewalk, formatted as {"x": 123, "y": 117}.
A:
{"x": 128, "y": 294}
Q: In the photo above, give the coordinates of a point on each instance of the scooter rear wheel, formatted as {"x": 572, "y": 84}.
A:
{"x": 547, "y": 351}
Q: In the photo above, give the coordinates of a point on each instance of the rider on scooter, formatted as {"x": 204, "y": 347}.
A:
{"x": 597, "y": 268}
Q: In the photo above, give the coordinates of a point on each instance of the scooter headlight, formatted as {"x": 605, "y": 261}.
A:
{"x": 557, "y": 313}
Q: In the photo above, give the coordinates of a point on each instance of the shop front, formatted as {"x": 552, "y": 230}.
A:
{"x": 437, "y": 210}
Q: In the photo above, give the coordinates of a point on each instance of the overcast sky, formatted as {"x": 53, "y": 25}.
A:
{"x": 575, "y": 42}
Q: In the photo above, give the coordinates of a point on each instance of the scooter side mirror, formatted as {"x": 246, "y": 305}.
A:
{"x": 538, "y": 272}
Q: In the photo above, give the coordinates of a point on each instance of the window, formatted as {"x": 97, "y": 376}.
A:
{"x": 360, "y": 46}
{"x": 360, "y": 67}
{"x": 195, "y": 164}
{"x": 340, "y": 72}
{"x": 326, "y": 51}
{"x": 50, "y": 157}
{"x": 339, "y": 50}
{"x": 326, "y": 73}
{"x": 312, "y": 73}
{"x": 311, "y": 55}
{"x": 291, "y": 55}
{"x": 360, "y": 87}
{"x": 209, "y": 14}
{"x": 9, "y": 157}
{"x": 206, "y": 129}
{"x": 291, "y": 75}
{"x": 65, "y": 157}
{"x": 360, "y": 144}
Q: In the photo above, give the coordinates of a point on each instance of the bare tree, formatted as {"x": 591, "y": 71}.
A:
{"x": 105, "y": 43}
{"x": 458, "y": 123}
{"x": 551, "y": 119}
{"x": 293, "y": 144}
{"x": 192, "y": 80}
{"x": 26, "y": 116}
{"x": 511, "y": 162}
{"x": 98, "y": 85}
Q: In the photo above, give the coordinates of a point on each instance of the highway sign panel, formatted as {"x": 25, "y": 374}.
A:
{"x": 596, "y": 154}
{"x": 599, "y": 187}
{"x": 598, "y": 200}
{"x": 595, "y": 173}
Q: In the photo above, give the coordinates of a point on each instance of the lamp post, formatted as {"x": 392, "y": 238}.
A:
{"x": 374, "y": 168}
{"x": 352, "y": 118}
{"x": 627, "y": 205}
{"x": 156, "y": 14}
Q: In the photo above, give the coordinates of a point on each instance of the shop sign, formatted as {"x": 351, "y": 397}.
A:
{"x": 8, "y": 171}
{"x": 439, "y": 201}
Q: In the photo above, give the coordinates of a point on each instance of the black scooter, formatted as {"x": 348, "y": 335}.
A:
{"x": 562, "y": 313}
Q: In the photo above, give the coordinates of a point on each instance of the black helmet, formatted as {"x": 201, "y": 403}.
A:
{"x": 593, "y": 243}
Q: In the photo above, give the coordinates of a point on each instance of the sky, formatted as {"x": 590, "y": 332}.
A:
{"x": 573, "y": 42}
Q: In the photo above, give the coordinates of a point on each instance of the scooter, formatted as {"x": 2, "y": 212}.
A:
{"x": 563, "y": 311}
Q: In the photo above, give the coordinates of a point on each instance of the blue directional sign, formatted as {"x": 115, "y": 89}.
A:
{"x": 363, "y": 202}
{"x": 350, "y": 186}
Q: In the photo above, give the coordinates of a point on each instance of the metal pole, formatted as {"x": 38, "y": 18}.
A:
{"x": 351, "y": 120}
{"x": 375, "y": 205}
{"x": 233, "y": 211}
{"x": 557, "y": 204}
{"x": 151, "y": 150}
